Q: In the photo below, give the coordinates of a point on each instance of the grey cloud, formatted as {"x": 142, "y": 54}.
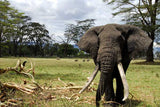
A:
{"x": 73, "y": 9}
{"x": 34, "y": 7}
{"x": 60, "y": 10}
{"x": 55, "y": 14}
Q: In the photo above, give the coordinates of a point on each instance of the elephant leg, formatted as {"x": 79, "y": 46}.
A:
{"x": 109, "y": 91}
{"x": 105, "y": 86}
{"x": 100, "y": 90}
{"x": 119, "y": 90}
{"x": 98, "y": 95}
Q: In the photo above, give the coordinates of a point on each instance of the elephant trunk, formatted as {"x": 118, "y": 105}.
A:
{"x": 106, "y": 78}
{"x": 107, "y": 63}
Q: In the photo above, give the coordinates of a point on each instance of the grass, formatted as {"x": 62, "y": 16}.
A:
{"x": 143, "y": 79}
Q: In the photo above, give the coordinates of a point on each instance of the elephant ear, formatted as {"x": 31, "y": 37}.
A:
{"x": 138, "y": 41}
{"x": 89, "y": 41}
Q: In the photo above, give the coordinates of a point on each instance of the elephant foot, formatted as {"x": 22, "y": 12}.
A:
{"x": 120, "y": 102}
{"x": 111, "y": 105}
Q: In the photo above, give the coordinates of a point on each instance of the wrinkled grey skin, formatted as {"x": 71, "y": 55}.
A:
{"x": 108, "y": 45}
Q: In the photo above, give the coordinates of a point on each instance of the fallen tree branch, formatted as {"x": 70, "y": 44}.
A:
{"x": 64, "y": 88}
{"x": 62, "y": 81}
{"x": 19, "y": 68}
{"x": 30, "y": 89}
{"x": 18, "y": 87}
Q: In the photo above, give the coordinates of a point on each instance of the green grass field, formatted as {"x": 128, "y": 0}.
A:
{"x": 143, "y": 79}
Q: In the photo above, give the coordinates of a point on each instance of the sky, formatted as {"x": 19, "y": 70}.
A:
{"x": 56, "y": 14}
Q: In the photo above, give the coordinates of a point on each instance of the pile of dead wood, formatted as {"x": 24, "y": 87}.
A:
{"x": 27, "y": 88}
{"x": 32, "y": 87}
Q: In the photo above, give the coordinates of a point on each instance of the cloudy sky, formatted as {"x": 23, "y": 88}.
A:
{"x": 55, "y": 14}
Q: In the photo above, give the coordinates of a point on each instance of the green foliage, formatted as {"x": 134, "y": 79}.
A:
{"x": 82, "y": 54}
{"x": 38, "y": 35}
{"x": 11, "y": 22}
{"x": 67, "y": 50}
{"x": 5, "y": 11}
{"x": 16, "y": 33}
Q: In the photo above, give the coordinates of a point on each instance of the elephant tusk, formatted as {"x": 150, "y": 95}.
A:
{"x": 124, "y": 81}
{"x": 90, "y": 79}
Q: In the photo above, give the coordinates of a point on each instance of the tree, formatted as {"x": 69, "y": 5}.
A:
{"x": 5, "y": 11}
{"x": 75, "y": 32}
{"x": 67, "y": 52}
{"x": 54, "y": 49}
{"x": 142, "y": 13}
{"x": 23, "y": 32}
{"x": 18, "y": 32}
{"x": 38, "y": 35}
{"x": 11, "y": 22}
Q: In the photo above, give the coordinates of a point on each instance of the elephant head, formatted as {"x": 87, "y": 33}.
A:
{"x": 112, "y": 47}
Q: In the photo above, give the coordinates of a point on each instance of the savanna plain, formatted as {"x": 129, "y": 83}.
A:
{"x": 58, "y": 74}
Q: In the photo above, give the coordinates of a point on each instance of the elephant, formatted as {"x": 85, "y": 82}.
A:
{"x": 112, "y": 47}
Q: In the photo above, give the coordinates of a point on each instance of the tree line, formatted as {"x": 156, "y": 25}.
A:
{"x": 19, "y": 36}
{"x": 17, "y": 32}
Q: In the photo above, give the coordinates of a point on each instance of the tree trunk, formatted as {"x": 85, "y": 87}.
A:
{"x": 20, "y": 50}
{"x": 15, "y": 48}
{"x": 35, "y": 50}
{"x": 0, "y": 46}
{"x": 65, "y": 50}
{"x": 150, "y": 57}
{"x": 42, "y": 52}
{"x": 0, "y": 42}
{"x": 150, "y": 53}
{"x": 20, "y": 46}
{"x": 10, "y": 48}
{"x": 153, "y": 13}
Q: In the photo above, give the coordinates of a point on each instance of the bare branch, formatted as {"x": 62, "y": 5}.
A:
{"x": 146, "y": 5}
{"x": 139, "y": 12}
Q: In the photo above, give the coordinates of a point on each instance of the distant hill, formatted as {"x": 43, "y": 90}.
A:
{"x": 75, "y": 46}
